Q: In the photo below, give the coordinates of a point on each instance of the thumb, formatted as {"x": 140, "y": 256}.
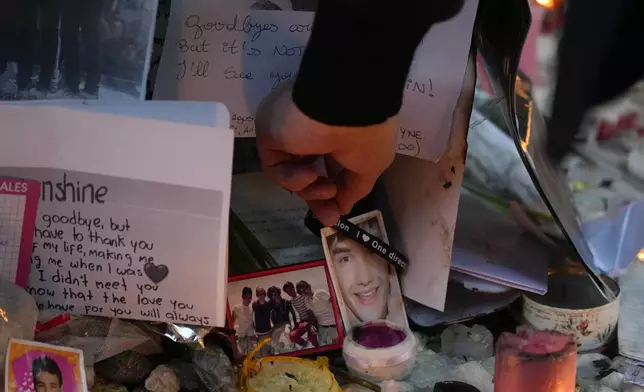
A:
{"x": 354, "y": 187}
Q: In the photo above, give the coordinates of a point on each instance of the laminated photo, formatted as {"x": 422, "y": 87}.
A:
{"x": 294, "y": 306}
{"x": 38, "y": 367}
{"x": 366, "y": 283}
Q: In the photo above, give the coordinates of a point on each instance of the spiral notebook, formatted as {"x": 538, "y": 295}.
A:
{"x": 18, "y": 207}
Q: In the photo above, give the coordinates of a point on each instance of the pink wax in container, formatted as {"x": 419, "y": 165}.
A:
{"x": 379, "y": 350}
{"x": 377, "y": 335}
{"x": 535, "y": 361}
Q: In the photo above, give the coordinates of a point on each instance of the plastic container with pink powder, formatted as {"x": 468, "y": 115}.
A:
{"x": 380, "y": 350}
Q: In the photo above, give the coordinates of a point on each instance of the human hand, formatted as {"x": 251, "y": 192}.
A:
{"x": 288, "y": 142}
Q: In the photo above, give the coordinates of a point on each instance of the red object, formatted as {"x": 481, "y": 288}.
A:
{"x": 629, "y": 121}
{"x": 56, "y": 321}
{"x": 535, "y": 361}
{"x": 30, "y": 190}
{"x": 303, "y": 328}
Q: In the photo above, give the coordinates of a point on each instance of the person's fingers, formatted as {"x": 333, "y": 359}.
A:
{"x": 321, "y": 189}
{"x": 353, "y": 188}
{"x": 284, "y": 169}
{"x": 327, "y": 211}
{"x": 291, "y": 176}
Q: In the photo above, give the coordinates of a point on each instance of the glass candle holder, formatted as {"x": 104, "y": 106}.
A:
{"x": 535, "y": 361}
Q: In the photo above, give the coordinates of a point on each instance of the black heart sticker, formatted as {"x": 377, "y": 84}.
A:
{"x": 156, "y": 273}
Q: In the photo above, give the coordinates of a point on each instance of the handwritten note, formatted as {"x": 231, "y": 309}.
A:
{"x": 122, "y": 239}
{"x": 276, "y": 218}
{"x": 423, "y": 198}
{"x": 222, "y": 51}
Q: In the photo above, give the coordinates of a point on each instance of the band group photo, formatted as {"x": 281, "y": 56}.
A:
{"x": 293, "y": 306}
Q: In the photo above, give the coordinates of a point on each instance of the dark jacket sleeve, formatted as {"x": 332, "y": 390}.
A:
{"x": 354, "y": 69}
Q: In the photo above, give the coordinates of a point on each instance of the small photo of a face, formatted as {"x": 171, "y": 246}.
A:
{"x": 39, "y": 367}
{"x": 46, "y": 374}
{"x": 367, "y": 285}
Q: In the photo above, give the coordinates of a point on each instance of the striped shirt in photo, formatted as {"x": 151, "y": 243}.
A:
{"x": 301, "y": 305}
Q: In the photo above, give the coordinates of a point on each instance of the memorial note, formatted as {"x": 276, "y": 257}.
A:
{"x": 118, "y": 233}
{"x": 223, "y": 51}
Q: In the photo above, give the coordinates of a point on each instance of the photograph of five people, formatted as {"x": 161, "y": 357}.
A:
{"x": 294, "y": 308}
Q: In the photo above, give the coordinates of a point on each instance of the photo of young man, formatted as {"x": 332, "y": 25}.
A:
{"x": 243, "y": 322}
{"x": 39, "y": 367}
{"x": 322, "y": 309}
{"x": 367, "y": 283}
{"x": 302, "y": 303}
{"x": 262, "y": 319}
{"x": 283, "y": 320}
{"x": 46, "y": 375}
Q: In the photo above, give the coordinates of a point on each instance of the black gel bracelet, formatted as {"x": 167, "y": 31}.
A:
{"x": 368, "y": 240}
{"x": 373, "y": 243}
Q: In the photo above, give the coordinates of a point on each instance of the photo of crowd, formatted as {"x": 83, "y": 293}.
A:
{"x": 75, "y": 49}
{"x": 293, "y": 307}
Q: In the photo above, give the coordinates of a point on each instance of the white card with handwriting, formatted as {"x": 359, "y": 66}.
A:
{"x": 219, "y": 50}
{"x": 133, "y": 213}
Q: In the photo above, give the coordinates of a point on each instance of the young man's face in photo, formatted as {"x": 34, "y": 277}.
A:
{"x": 261, "y": 296}
{"x": 47, "y": 382}
{"x": 305, "y": 291}
{"x": 246, "y": 299}
{"x": 363, "y": 278}
{"x": 277, "y": 297}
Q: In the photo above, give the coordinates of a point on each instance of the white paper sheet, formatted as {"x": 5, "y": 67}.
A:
{"x": 218, "y": 50}
{"x": 153, "y": 224}
{"x": 276, "y": 218}
{"x": 423, "y": 198}
{"x": 210, "y": 114}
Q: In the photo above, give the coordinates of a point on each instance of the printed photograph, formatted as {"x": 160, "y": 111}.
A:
{"x": 39, "y": 367}
{"x": 294, "y": 306}
{"x": 367, "y": 285}
{"x": 75, "y": 49}
{"x": 285, "y": 5}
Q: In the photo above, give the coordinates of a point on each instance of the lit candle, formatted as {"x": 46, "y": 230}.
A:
{"x": 549, "y": 4}
{"x": 535, "y": 361}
